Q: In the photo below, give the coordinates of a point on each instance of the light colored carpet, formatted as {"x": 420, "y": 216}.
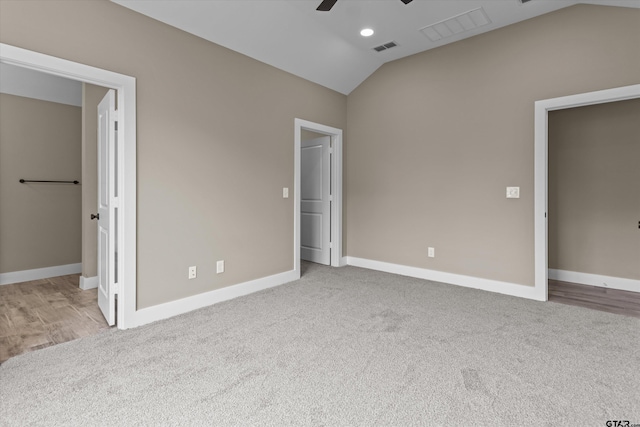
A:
{"x": 341, "y": 347}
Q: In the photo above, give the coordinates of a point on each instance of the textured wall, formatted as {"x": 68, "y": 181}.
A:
{"x": 39, "y": 222}
{"x": 215, "y": 140}
{"x": 434, "y": 139}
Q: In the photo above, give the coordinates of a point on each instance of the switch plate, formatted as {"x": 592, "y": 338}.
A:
{"x": 513, "y": 192}
{"x": 220, "y": 267}
{"x": 431, "y": 252}
{"x": 192, "y": 272}
{"x": 285, "y": 193}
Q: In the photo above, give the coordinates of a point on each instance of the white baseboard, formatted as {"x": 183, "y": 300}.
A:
{"x": 184, "y": 305}
{"x": 39, "y": 273}
{"x": 88, "y": 282}
{"x": 595, "y": 280}
{"x": 506, "y": 288}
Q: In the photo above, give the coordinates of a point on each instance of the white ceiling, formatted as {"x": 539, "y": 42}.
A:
{"x": 34, "y": 84}
{"x": 326, "y": 47}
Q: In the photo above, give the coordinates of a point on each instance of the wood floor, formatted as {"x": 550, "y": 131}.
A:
{"x": 46, "y": 312}
{"x": 597, "y": 298}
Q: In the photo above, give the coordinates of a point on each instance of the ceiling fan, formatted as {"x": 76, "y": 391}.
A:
{"x": 326, "y": 5}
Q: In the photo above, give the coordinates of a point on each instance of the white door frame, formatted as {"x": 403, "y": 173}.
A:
{"x": 542, "y": 109}
{"x": 126, "y": 98}
{"x": 336, "y": 190}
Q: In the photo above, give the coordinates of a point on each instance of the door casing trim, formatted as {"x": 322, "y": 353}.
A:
{"x": 126, "y": 98}
{"x": 541, "y": 141}
{"x": 336, "y": 190}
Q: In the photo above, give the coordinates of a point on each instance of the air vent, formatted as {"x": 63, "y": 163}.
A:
{"x": 385, "y": 46}
{"x": 458, "y": 24}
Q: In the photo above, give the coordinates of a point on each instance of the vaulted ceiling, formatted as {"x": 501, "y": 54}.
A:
{"x": 326, "y": 47}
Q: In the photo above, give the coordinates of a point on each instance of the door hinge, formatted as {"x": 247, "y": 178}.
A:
{"x": 330, "y": 150}
{"x": 330, "y": 245}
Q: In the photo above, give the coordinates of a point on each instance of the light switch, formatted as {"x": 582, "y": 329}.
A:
{"x": 513, "y": 192}
{"x": 285, "y": 193}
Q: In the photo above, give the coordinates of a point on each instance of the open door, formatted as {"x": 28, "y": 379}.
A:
{"x": 315, "y": 200}
{"x": 107, "y": 202}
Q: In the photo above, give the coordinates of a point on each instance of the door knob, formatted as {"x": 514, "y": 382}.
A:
{"x": 97, "y": 216}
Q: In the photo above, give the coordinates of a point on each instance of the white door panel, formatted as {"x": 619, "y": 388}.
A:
{"x": 315, "y": 204}
{"x": 106, "y": 206}
{"x": 311, "y": 235}
{"x": 311, "y": 165}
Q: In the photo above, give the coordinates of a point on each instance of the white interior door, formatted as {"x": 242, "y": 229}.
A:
{"x": 315, "y": 200}
{"x": 107, "y": 201}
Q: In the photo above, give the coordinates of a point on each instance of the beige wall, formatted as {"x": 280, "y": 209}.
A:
{"x": 434, "y": 140}
{"x": 594, "y": 189}
{"x": 307, "y": 134}
{"x": 213, "y": 152}
{"x": 91, "y": 97}
{"x": 39, "y": 223}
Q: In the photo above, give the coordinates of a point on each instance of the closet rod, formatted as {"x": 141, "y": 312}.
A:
{"x": 22, "y": 181}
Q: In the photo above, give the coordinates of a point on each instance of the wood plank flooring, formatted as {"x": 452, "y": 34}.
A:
{"x": 594, "y": 297}
{"x": 41, "y": 313}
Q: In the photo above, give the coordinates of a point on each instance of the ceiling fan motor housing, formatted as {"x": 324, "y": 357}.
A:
{"x": 326, "y": 5}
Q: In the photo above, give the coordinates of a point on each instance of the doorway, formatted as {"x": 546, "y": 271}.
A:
{"x": 315, "y": 198}
{"x": 41, "y": 175}
{"x": 335, "y": 182}
{"x": 542, "y": 109}
{"x": 126, "y": 159}
{"x": 594, "y": 240}
{"x": 48, "y": 186}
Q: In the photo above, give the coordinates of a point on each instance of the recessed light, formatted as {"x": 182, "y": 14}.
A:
{"x": 366, "y": 32}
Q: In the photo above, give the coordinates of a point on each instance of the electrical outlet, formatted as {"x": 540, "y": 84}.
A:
{"x": 220, "y": 267}
{"x": 431, "y": 252}
{"x": 192, "y": 272}
{"x": 285, "y": 193}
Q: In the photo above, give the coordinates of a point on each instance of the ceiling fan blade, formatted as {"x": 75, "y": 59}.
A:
{"x": 406, "y": 1}
{"x": 326, "y": 5}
